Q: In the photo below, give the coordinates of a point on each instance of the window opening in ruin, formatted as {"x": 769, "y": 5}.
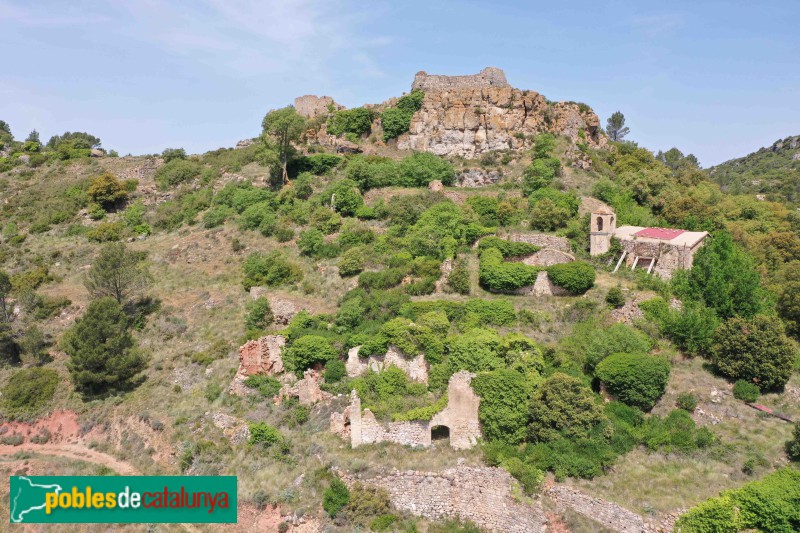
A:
{"x": 440, "y": 433}
{"x": 599, "y": 224}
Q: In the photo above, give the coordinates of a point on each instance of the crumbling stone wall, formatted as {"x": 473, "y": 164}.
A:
{"x": 482, "y": 495}
{"x": 311, "y": 106}
{"x": 477, "y": 177}
{"x": 669, "y": 258}
{"x": 306, "y": 390}
{"x": 416, "y": 368}
{"x": 460, "y": 416}
{"x": 488, "y": 77}
{"x": 607, "y": 513}
{"x": 540, "y": 239}
{"x": 262, "y": 356}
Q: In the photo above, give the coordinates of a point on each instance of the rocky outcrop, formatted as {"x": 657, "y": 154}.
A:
{"x": 477, "y": 177}
{"x": 307, "y": 390}
{"x": 482, "y": 495}
{"x": 311, "y": 106}
{"x": 415, "y": 367}
{"x": 262, "y": 356}
{"x": 235, "y": 430}
{"x": 466, "y": 116}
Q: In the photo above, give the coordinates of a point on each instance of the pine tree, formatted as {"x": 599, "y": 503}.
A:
{"x": 615, "y": 126}
{"x": 117, "y": 272}
{"x": 103, "y": 355}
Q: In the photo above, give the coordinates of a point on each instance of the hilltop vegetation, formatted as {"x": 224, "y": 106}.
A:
{"x": 124, "y": 289}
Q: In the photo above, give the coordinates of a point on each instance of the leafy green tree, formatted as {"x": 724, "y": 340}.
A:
{"x": 543, "y": 145}
{"x": 788, "y": 307}
{"x": 725, "y": 277}
{"x": 5, "y": 290}
{"x": 421, "y": 168}
{"x": 793, "y": 445}
{"x": 308, "y": 351}
{"x": 476, "y": 350}
{"x": 351, "y": 262}
{"x": 4, "y": 127}
{"x": 269, "y": 269}
{"x": 756, "y": 350}
{"x": 170, "y": 154}
{"x": 310, "y": 242}
{"x": 638, "y": 380}
{"x": 395, "y": 122}
{"x": 78, "y": 140}
{"x": 286, "y": 126}
{"x": 117, "y": 272}
{"x": 344, "y": 197}
{"x": 615, "y": 126}
{"x": 102, "y": 353}
{"x": 357, "y": 121}
{"x": 505, "y": 395}
{"x": 107, "y": 191}
{"x": 563, "y": 406}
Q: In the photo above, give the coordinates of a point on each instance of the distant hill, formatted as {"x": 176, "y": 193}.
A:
{"x": 773, "y": 171}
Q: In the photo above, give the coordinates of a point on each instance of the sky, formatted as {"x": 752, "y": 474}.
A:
{"x": 718, "y": 79}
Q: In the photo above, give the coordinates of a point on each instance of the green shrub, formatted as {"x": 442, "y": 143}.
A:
{"x": 259, "y": 314}
{"x": 308, "y": 351}
{"x": 267, "y": 386}
{"x": 395, "y": 122}
{"x": 508, "y": 249}
{"x": 176, "y": 172}
{"x": 106, "y": 190}
{"x": 422, "y": 413}
{"x": 269, "y": 269}
{"x": 28, "y": 391}
{"x": 769, "y": 504}
{"x": 793, "y": 444}
{"x": 351, "y": 262}
{"x": 421, "y": 168}
{"x": 171, "y": 154}
{"x": 746, "y": 391}
{"x": 412, "y": 101}
{"x": 458, "y": 281}
{"x": 264, "y": 435}
{"x": 311, "y": 242}
{"x": 344, "y": 197}
{"x": 687, "y": 401}
{"x": 383, "y": 522}
{"x": 755, "y": 350}
{"x": 335, "y": 370}
{"x": 106, "y": 232}
{"x": 336, "y": 497}
{"x": 217, "y": 215}
{"x": 366, "y": 503}
{"x": 577, "y": 277}
{"x": 505, "y": 395}
{"x": 497, "y": 275}
{"x": 317, "y": 164}
{"x": 638, "y": 380}
{"x": 563, "y": 406}
{"x": 477, "y": 350}
{"x": 357, "y": 121}
{"x": 615, "y": 298}
{"x": 213, "y": 390}
{"x": 540, "y": 174}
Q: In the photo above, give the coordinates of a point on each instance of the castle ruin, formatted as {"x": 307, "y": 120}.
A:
{"x": 488, "y": 77}
{"x": 661, "y": 251}
{"x": 458, "y": 420}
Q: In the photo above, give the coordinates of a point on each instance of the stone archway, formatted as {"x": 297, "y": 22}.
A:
{"x": 440, "y": 433}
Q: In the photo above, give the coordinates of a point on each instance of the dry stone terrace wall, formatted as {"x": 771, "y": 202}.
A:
{"x": 480, "y": 495}
{"x": 540, "y": 239}
{"x": 607, "y": 513}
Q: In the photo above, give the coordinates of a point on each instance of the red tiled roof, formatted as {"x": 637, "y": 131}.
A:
{"x": 662, "y": 234}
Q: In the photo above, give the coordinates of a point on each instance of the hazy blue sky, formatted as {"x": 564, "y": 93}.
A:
{"x": 716, "y": 78}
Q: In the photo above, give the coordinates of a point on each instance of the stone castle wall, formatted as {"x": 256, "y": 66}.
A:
{"x": 482, "y": 495}
{"x": 488, "y": 77}
{"x": 460, "y": 416}
{"x": 311, "y": 106}
{"x": 415, "y": 367}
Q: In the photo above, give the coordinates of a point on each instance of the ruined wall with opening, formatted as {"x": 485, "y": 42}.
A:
{"x": 416, "y": 368}
{"x": 460, "y": 416}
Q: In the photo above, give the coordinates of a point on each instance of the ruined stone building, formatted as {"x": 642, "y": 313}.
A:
{"x": 658, "y": 250}
{"x": 488, "y": 77}
{"x": 458, "y": 420}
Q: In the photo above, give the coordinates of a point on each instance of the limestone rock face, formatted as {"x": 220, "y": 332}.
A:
{"x": 477, "y": 177}
{"x": 468, "y": 119}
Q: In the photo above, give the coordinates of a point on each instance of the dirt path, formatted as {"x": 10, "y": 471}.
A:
{"x": 73, "y": 451}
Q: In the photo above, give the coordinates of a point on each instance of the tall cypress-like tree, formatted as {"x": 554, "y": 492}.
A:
{"x": 103, "y": 354}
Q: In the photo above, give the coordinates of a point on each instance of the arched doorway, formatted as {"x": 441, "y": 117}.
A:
{"x": 440, "y": 434}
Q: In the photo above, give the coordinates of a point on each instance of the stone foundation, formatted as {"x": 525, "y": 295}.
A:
{"x": 306, "y": 390}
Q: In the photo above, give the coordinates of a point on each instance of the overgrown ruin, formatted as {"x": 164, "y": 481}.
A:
{"x": 415, "y": 367}
{"x": 458, "y": 420}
